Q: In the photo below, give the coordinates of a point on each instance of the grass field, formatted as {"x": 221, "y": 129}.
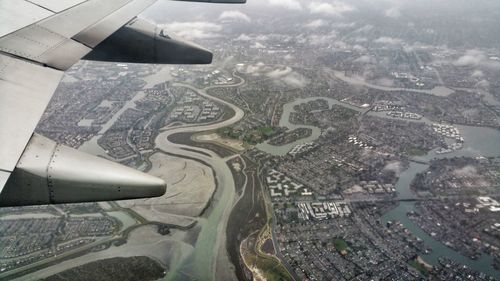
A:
{"x": 418, "y": 266}
{"x": 340, "y": 244}
{"x": 416, "y": 151}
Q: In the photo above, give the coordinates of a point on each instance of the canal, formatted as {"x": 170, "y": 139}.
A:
{"x": 479, "y": 141}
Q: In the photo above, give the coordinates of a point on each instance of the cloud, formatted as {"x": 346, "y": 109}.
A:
{"x": 262, "y": 37}
{"x": 358, "y": 48}
{"x": 466, "y": 171}
{"x": 258, "y": 45}
{"x": 483, "y": 84}
{"x": 243, "y": 37}
{"x": 395, "y": 166}
{"x": 364, "y": 59}
{"x": 417, "y": 46}
{"x": 340, "y": 45}
{"x": 393, "y": 12}
{"x": 334, "y": 8}
{"x": 429, "y": 31}
{"x": 295, "y": 80}
{"x": 471, "y": 58}
{"x": 287, "y": 76}
{"x": 301, "y": 38}
{"x": 234, "y": 15}
{"x": 325, "y": 39}
{"x": 360, "y": 39}
{"x": 365, "y": 28}
{"x": 280, "y": 75}
{"x": 280, "y": 72}
{"x": 254, "y": 69}
{"x": 194, "y": 30}
{"x": 344, "y": 24}
{"x": 388, "y": 41}
{"x": 289, "y": 4}
{"x": 477, "y": 58}
{"x": 477, "y": 73}
{"x": 315, "y": 23}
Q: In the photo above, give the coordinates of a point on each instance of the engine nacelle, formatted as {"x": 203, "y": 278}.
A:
{"x": 140, "y": 41}
{"x": 49, "y": 173}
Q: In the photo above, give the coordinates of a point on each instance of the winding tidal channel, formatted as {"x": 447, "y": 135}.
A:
{"x": 209, "y": 256}
{"x": 479, "y": 141}
{"x": 209, "y": 260}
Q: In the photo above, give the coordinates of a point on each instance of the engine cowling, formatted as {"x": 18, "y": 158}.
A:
{"x": 50, "y": 173}
{"x": 140, "y": 41}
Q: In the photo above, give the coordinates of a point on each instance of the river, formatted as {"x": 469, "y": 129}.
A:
{"x": 399, "y": 213}
{"x": 91, "y": 146}
{"x": 209, "y": 256}
{"x": 479, "y": 141}
{"x": 288, "y": 108}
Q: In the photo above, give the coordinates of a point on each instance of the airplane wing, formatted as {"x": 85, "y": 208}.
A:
{"x": 39, "y": 40}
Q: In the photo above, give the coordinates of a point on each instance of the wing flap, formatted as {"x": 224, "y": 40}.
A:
{"x": 42, "y": 45}
{"x": 25, "y": 90}
{"x": 96, "y": 33}
{"x": 50, "y": 41}
{"x": 74, "y": 20}
{"x": 64, "y": 55}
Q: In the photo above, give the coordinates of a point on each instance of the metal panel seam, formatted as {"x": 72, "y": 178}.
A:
{"x": 41, "y": 6}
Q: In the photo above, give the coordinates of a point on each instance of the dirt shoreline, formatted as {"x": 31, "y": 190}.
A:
{"x": 248, "y": 209}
